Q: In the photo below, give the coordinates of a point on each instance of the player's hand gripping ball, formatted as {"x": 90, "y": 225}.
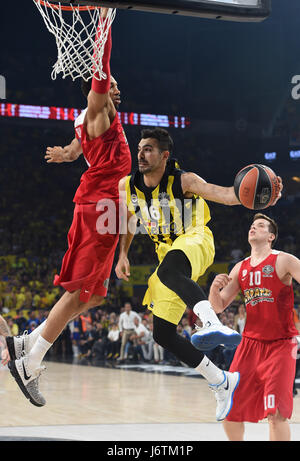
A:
{"x": 257, "y": 187}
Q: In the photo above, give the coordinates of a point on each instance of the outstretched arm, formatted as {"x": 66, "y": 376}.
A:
{"x": 193, "y": 184}
{"x": 100, "y": 108}
{"x": 69, "y": 153}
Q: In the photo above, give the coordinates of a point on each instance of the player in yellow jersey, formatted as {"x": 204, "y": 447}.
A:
{"x": 168, "y": 204}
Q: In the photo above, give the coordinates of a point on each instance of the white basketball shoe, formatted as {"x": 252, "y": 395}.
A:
{"x": 18, "y": 345}
{"x": 28, "y": 381}
{"x": 224, "y": 394}
{"x": 213, "y": 334}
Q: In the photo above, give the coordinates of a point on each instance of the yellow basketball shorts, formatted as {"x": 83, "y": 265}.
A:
{"x": 200, "y": 250}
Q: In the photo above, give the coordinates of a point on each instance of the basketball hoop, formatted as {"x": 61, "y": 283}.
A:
{"x": 80, "y": 44}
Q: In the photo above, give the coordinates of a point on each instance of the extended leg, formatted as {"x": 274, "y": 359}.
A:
{"x": 27, "y": 369}
{"x": 223, "y": 383}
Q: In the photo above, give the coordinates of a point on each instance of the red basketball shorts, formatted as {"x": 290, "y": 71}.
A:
{"x": 267, "y": 373}
{"x": 87, "y": 264}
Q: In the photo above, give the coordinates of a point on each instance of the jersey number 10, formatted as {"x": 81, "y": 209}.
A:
{"x": 269, "y": 401}
{"x": 255, "y": 278}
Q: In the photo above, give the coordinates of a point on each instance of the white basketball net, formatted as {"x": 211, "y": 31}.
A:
{"x": 79, "y": 47}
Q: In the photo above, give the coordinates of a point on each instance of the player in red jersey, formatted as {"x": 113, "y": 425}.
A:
{"x": 88, "y": 261}
{"x": 266, "y": 356}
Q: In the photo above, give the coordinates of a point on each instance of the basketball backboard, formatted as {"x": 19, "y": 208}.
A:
{"x": 234, "y": 10}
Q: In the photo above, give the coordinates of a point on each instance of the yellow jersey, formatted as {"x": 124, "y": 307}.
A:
{"x": 163, "y": 212}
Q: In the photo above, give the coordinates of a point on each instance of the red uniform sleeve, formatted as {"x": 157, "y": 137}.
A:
{"x": 103, "y": 86}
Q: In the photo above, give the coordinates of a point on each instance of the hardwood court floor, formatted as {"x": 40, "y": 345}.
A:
{"x": 95, "y": 403}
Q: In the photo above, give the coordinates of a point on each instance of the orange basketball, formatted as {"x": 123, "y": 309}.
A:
{"x": 256, "y": 186}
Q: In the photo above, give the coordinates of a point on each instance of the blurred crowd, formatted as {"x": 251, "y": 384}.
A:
{"x": 117, "y": 331}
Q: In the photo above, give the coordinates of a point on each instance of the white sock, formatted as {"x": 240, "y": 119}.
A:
{"x": 211, "y": 373}
{"x": 33, "y": 336}
{"x": 205, "y": 312}
{"x": 38, "y": 352}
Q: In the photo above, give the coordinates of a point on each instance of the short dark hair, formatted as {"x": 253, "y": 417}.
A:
{"x": 86, "y": 86}
{"x": 273, "y": 227}
{"x": 165, "y": 142}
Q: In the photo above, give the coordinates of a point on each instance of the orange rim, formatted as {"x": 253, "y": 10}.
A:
{"x": 67, "y": 8}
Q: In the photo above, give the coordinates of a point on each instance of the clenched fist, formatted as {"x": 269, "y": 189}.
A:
{"x": 220, "y": 282}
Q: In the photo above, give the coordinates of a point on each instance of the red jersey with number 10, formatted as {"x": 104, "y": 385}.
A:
{"x": 108, "y": 158}
{"x": 269, "y": 302}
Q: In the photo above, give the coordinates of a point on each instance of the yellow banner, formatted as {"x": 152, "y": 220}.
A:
{"x": 217, "y": 268}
